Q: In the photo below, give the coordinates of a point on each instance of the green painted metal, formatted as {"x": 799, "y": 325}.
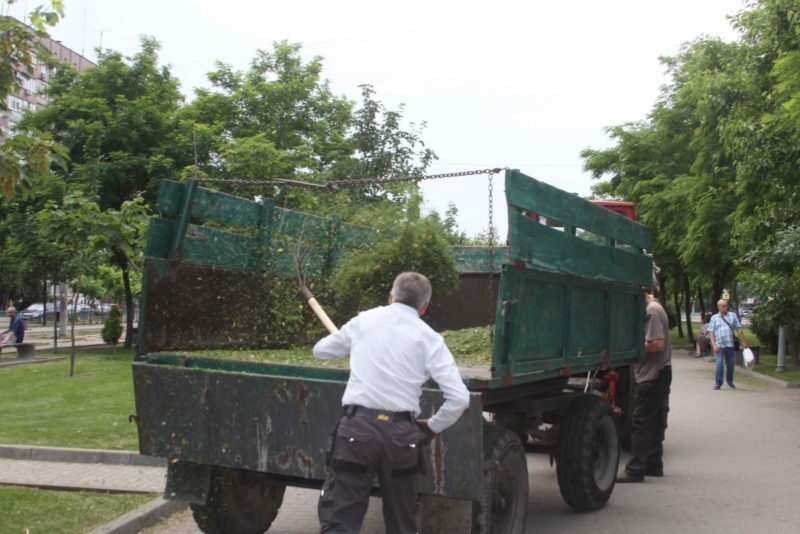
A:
{"x": 476, "y": 259}
{"x": 530, "y": 195}
{"x": 182, "y": 221}
{"x": 225, "y": 209}
{"x": 554, "y": 324}
{"x": 206, "y": 227}
{"x": 549, "y": 249}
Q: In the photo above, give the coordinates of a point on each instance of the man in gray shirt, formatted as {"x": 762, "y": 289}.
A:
{"x": 653, "y": 378}
{"x": 392, "y": 354}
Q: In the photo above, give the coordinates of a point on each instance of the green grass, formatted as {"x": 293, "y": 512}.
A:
{"x": 40, "y": 511}
{"x": 43, "y": 405}
{"x": 767, "y": 363}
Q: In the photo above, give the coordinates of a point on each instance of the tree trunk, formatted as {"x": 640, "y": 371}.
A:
{"x": 126, "y": 281}
{"x": 687, "y": 306}
{"x": 44, "y": 315}
{"x": 72, "y": 324}
{"x": 702, "y": 303}
{"x": 676, "y": 300}
{"x": 716, "y": 294}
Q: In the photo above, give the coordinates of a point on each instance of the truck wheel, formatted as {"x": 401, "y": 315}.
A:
{"x": 241, "y": 502}
{"x": 588, "y": 453}
{"x": 503, "y": 504}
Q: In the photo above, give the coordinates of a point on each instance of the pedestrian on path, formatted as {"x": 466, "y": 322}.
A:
{"x": 723, "y": 340}
{"x": 653, "y": 378}
{"x": 392, "y": 354}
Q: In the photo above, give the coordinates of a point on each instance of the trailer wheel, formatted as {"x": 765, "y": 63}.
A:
{"x": 504, "y": 500}
{"x": 241, "y": 502}
{"x": 588, "y": 453}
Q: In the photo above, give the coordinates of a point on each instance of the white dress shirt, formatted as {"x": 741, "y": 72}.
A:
{"x": 393, "y": 352}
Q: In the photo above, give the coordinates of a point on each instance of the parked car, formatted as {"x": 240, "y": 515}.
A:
{"x": 36, "y": 310}
{"x": 84, "y": 311}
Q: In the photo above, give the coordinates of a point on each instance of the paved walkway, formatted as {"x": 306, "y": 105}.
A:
{"x": 84, "y": 476}
{"x": 731, "y": 463}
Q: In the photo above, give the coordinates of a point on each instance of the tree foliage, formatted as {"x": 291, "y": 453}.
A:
{"x": 365, "y": 279}
{"x": 714, "y": 166}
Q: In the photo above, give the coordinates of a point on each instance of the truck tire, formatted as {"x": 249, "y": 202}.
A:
{"x": 241, "y": 502}
{"x": 588, "y": 453}
{"x": 504, "y": 501}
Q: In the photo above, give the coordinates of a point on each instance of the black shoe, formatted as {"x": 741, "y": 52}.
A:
{"x": 654, "y": 471}
{"x": 731, "y": 386}
{"x": 717, "y": 387}
{"x": 627, "y": 477}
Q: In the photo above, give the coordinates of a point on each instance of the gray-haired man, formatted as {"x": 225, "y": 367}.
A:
{"x": 392, "y": 354}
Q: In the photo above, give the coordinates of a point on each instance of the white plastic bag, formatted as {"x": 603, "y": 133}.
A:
{"x": 748, "y": 357}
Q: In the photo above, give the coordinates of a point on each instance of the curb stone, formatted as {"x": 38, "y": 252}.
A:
{"x": 767, "y": 378}
{"x": 147, "y": 515}
{"x": 82, "y": 456}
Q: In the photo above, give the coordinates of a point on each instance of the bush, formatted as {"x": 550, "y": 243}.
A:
{"x": 366, "y": 277}
{"x": 112, "y": 327}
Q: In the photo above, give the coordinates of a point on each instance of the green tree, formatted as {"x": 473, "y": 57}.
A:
{"x": 112, "y": 327}
{"x": 116, "y": 120}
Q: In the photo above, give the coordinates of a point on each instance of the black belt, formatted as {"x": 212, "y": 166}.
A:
{"x": 380, "y": 415}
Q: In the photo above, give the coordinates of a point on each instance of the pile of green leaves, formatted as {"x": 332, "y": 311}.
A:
{"x": 470, "y": 346}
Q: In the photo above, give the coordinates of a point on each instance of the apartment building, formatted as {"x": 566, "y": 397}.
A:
{"x": 31, "y": 94}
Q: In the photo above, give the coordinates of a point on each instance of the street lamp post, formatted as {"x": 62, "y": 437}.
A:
{"x": 781, "y": 367}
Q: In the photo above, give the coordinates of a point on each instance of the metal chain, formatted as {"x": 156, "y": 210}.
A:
{"x": 335, "y": 184}
{"x": 491, "y": 251}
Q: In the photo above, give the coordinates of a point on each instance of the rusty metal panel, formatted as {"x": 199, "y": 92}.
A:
{"x": 471, "y": 304}
{"x": 237, "y": 308}
{"x": 280, "y": 425}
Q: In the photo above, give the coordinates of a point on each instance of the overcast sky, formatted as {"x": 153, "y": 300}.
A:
{"x": 524, "y": 84}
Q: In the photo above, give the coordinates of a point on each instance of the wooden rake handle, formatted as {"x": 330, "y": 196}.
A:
{"x": 309, "y": 296}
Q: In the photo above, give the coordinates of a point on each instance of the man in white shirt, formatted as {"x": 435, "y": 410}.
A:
{"x": 392, "y": 354}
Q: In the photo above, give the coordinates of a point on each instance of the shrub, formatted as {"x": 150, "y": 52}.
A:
{"x": 366, "y": 277}
{"x": 112, "y": 327}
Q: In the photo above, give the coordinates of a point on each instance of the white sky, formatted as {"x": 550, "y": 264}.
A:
{"x": 525, "y": 84}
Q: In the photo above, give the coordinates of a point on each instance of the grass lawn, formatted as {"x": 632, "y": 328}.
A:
{"x": 35, "y": 510}
{"x": 43, "y": 405}
{"x": 766, "y": 365}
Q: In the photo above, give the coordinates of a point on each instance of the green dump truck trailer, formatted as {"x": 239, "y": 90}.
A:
{"x": 566, "y": 300}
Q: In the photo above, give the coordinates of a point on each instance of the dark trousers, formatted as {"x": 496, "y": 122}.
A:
{"x": 650, "y": 409}
{"x": 370, "y": 443}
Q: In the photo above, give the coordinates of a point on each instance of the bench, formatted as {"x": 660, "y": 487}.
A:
{"x": 24, "y": 350}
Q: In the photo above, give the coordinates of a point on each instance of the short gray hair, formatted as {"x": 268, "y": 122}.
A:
{"x": 412, "y": 289}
